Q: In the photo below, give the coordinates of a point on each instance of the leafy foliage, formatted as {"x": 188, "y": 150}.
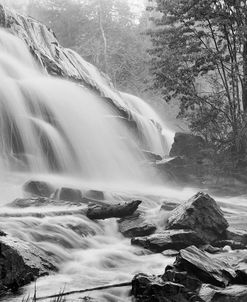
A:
{"x": 199, "y": 56}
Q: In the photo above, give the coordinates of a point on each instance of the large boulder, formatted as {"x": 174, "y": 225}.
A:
{"x": 186, "y": 144}
{"x": 168, "y": 240}
{"x": 200, "y": 214}
{"x": 38, "y": 188}
{"x": 21, "y": 263}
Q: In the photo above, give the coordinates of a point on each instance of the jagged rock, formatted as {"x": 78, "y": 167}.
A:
{"x": 68, "y": 194}
{"x": 233, "y": 293}
{"x": 166, "y": 240}
{"x": 135, "y": 225}
{"x": 154, "y": 289}
{"x": 236, "y": 235}
{"x": 21, "y": 263}
{"x": 105, "y": 211}
{"x": 170, "y": 253}
{"x": 38, "y": 188}
{"x": 208, "y": 269}
{"x": 186, "y": 144}
{"x": 200, "y": 214}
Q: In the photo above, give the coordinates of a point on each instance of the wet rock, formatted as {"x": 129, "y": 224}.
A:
{"x": 135, "y": 225}
{"x": 233, "y": 293}
{"x": 166, "y": 240}
{"x": 200, "y": 214}
{"x": 152, "y": 156}
{"x": 68, "y": 194}
{"x": 95, "y": 194}
{"x": 21, "y": 263}
{"x": 30, "y": 202}
{"x": 208, "y": 269}
{"x": 38, "y": 188}
{"x": 237, "y": 235}
{"x": 170, "y": 253}
{"x": 104, "y": 211}
{"x": 154, "y": 289}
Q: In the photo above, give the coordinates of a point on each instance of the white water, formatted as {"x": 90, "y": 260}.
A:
{"x": 53, "y": 130}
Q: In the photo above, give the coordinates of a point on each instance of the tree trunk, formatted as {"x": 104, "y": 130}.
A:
{"x": 244, "y": 88}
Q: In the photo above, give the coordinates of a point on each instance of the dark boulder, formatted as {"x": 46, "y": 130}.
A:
{"x": 38, "y": 188}
{"x": 104, "y": 211}
{"x": 186, "y": 144}
{"x": 200, "y": 214}
{"x": 234, "y": 245}
{"x": 168, "y": 240}
{"x": 68, "y": 194}
{"x": 154, "y": 289}
{"x": 208, "y": 269}
{"x": 21, "y": 263}
{"x": 135, "y": 226}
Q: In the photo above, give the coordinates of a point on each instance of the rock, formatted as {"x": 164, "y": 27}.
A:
{"x": 168, "y": 206}
{"x": 234, "y": 245}
{"x": 200, "y": 214}
{"x": 94, "y": 194}
{"x": 112, "y": 210}
{"x": 236, "y": 235}
{"x": 186, "y": 144}
{"x": 38, "y": 188}
{"x": 30, "y": 202}
{"x": 152, "y": 156}
{"x": 21, "y": 263}
{"x": 135, "y": 226}
{"x": 169, "y": 239}
{"x": 170, "y": 253}
{"x": 208, "y": 269}
{"x": 233, "y": 293}
{"x": 154, "y": 289}
{"x": 68, "y": 194}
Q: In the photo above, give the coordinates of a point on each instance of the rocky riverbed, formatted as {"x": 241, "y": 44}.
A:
{"x": 180, "y": 251}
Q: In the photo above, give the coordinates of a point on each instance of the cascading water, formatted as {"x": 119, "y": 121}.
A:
{"x": 64, "y": 133}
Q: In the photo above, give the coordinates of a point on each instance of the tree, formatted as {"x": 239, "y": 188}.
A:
{"x": 199, "y": 56}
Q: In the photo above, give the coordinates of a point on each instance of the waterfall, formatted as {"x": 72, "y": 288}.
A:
{"x": 53, "y": 125}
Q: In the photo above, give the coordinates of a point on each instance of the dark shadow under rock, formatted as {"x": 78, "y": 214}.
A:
{"x": 169, "y": 239}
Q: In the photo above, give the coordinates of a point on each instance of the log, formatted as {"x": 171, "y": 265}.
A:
{"x": 114, "y": 210}
{"x": 84, "y": 290}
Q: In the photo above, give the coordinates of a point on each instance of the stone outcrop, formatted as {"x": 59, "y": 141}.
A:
{"x": 200, "y": 214}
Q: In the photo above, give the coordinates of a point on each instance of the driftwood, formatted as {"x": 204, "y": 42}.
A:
{"x": 84, "y": 290}
{"x": 112, "y": 210}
